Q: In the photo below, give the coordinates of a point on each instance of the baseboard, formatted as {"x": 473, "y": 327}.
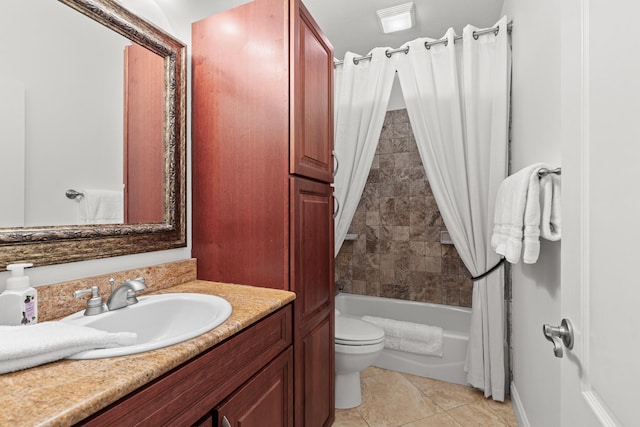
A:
{"x": 518, "y": 409}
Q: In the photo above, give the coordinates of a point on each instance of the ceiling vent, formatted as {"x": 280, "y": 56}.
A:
{"x": 397, "y": 18}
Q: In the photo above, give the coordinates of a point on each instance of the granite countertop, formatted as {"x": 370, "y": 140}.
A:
{"x": 65, "y": 392}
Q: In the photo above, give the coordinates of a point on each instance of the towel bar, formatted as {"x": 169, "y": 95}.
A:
{"x": 544, "y": 172}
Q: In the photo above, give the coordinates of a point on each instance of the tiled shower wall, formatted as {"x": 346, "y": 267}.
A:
{"x": 397, "y": 252}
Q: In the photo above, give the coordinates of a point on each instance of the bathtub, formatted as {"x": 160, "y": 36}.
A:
{"x": 454, "y": 320}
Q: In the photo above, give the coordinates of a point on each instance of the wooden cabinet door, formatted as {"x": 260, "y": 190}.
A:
{"x": 264, "y": 401}
{"x": 315, "y": 352}
{"x": 311, "y": 247}
{"x": 312, "y": 100}
{"x": 312, "y": 279}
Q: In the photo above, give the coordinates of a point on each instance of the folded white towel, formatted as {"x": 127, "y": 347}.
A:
{"x": 431, "y": 348}
{"x": 22, "y": 347}
{"x": 409, "y": 336}
{"x": 101, "y": 207}
{"x": 516, "y": 226}
{"x": 551, "y": 221}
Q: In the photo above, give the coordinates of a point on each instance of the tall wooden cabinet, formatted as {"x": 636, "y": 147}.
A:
{"x": 262, "y": 134}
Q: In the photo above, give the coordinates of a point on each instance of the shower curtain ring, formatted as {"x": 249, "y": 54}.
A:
{"x": 427, "y": 45}
{"x": 355, "y": 61}
{"x": 475, "y": 35}
{"x": 497, "y": 30}
{"x": 386, "y": 52}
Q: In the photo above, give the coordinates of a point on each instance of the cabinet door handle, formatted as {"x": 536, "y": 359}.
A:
{"x": 336, "y": 206}
{"x": 225, "y": 422}
{"x": 336, "y": 162}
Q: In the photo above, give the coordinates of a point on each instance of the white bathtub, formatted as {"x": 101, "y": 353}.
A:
{"x": 454, "y": 320}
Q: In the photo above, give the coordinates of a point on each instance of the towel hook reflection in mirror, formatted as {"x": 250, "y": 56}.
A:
{"x": 73, "y": 194}
{"x": 544, "y": 172}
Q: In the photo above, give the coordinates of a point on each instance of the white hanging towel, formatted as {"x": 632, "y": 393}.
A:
{"x": 101, "y": 207}
{"x": 22, "y": 347}
{"x": 410, "y": 337}
{"x": 551, "y": 221}
{"x": 516, "y": 228}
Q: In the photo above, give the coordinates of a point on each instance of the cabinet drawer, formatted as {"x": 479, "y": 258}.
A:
{"x": 185, "y": 395}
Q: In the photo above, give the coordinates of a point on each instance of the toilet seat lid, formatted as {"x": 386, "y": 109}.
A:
{"x": 351, "y": 331}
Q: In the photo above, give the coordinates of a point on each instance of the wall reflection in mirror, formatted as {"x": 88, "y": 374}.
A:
{"x": 77, "y": 112}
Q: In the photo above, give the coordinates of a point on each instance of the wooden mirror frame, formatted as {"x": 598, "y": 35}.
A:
{"x": 64, "y": 244}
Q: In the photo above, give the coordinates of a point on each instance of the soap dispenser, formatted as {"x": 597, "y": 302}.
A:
{"x": 19, "y": 302}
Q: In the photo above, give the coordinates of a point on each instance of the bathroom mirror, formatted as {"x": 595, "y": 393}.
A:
{"x": 63, "y": 242}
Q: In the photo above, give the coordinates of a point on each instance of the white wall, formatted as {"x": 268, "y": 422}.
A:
{"x": 536, "y": 131}
{"x": 396, "y": 100}
{"x": 12, "y": 147}
{"x": 73, "y": 106}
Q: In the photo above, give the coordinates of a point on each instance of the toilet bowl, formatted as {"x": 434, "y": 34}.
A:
{"x": 358, "y": 344}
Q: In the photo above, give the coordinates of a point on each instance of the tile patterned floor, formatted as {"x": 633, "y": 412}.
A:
{"x": 393, "y": 399}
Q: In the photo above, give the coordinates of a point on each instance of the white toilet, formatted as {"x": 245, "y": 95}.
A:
{"x": 358, "y": 344}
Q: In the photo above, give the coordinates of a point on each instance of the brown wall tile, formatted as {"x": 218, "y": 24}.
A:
{"x": 398, "y": 253}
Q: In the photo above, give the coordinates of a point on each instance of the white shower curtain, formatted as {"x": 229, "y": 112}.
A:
{"x": 457, "y": 98}
{"x": 362, "y": 94}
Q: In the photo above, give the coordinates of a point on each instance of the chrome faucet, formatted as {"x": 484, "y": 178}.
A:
{"x": 125, "y": 294}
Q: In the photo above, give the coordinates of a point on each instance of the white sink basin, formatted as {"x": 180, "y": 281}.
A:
{"x": 159, "y": 321}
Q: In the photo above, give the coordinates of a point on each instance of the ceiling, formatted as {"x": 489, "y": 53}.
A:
{"x": 352, "y": 25}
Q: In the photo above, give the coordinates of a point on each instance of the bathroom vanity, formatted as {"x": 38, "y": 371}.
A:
{"x": 246, "y": 378}
{"x": 241, "y": 370}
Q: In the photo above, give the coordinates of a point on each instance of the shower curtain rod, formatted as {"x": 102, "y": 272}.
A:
{"x": 428, "y": 45}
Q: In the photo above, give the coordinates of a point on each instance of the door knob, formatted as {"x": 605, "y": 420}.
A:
{"x": 225, "y": 422}
{"x": 559, "y": 336}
